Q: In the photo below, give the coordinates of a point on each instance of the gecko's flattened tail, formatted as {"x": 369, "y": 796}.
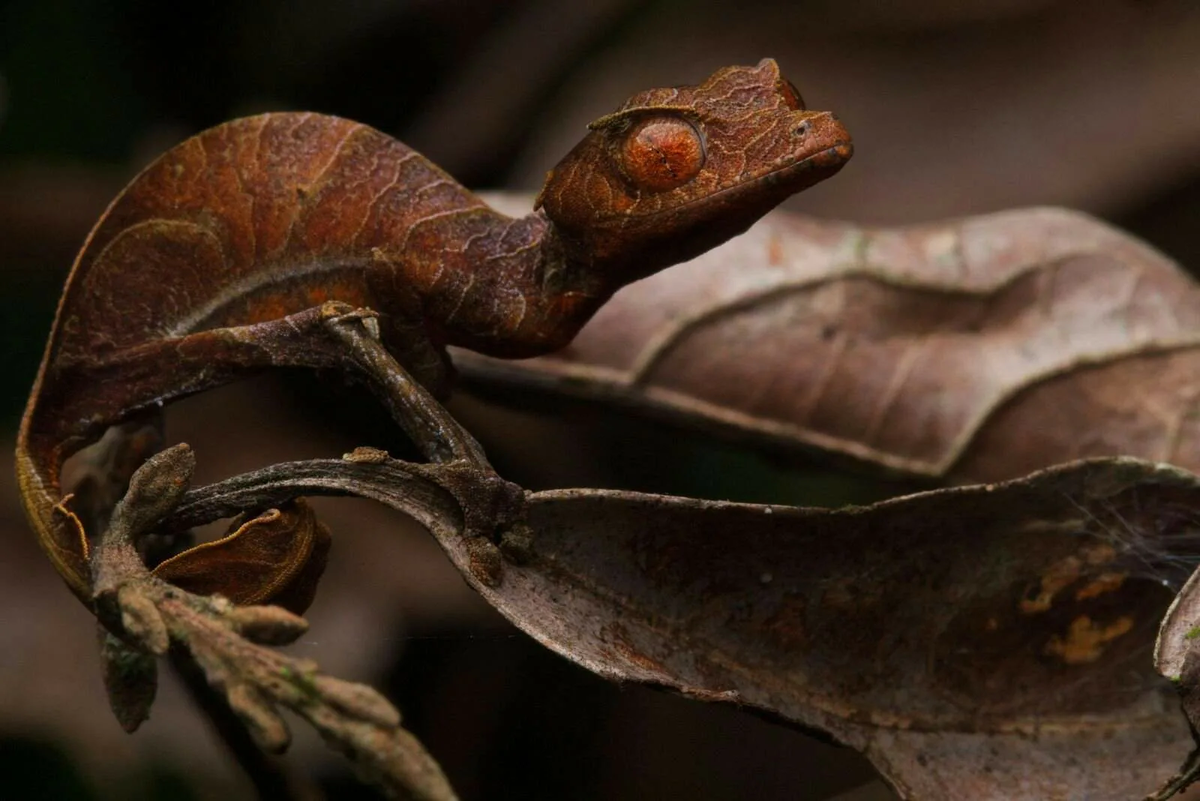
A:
{"x": 59, "y": 531}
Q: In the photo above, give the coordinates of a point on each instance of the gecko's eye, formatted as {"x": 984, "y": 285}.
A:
{"x": 791, "y": 95}
{"x": 661, "y": 153}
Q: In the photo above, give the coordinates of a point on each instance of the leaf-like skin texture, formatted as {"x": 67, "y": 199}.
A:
{"x": 977, "y": 349}
{"x": 979, "y": 642}
{"x": 213, "y": 263}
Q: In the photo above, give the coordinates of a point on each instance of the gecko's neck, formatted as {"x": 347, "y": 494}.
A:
{"x": 512, "y": 288}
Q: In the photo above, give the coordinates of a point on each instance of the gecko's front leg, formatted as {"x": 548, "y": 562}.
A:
{"x": 438, "y": 435}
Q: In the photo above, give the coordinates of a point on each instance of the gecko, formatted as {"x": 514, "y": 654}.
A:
{"x": 206, "y": 267}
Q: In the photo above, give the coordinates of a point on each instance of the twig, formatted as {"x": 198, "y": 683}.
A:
{"x": 225, "y": 642}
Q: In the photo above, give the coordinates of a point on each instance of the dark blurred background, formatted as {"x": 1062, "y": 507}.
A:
{"x": 956, "y": 108}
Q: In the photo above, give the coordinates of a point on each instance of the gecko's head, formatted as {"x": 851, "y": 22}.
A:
{"x": 674, "y": 172}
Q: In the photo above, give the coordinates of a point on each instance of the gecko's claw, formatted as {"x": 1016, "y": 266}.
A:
{"x": 335, "y": 313}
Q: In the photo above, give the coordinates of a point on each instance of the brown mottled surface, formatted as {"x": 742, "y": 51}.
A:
{"x": 905, "y": 629}
{"x": 992, "y": 641}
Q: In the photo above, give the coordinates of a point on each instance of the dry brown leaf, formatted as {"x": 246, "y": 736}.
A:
{"x": 980, "y": 642}
{"x": 993, "y": 641}
{"x": 277, "y": 557}
{"x": 975, "y": 350}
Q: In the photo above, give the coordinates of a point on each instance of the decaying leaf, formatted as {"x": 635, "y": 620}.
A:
{"x": 277, "y": 557}
{"x": 975, "y": 350}
{"x": 989, "y": 641}
{"x": 982, "y": 642}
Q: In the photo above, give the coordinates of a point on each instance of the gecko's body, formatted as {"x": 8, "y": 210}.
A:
{"x": 265, "y": 217}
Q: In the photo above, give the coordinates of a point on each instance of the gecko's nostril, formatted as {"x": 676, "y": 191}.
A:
{"x": 802, "y": 128}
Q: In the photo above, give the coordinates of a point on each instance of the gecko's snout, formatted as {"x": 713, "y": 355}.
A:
{"x": 824, "y": 143}
{"x": 824, "y": 130}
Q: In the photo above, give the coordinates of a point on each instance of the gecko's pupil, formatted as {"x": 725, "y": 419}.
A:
{"x": 661, "y": 153}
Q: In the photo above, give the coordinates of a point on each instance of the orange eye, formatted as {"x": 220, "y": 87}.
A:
{"x": 661, "y": 153}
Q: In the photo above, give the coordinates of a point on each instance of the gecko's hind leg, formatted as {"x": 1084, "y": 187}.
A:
{"x": 332, "y": 336}
{"x": 79, "y": 401}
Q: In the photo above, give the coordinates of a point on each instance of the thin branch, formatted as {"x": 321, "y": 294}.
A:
{"x": 226, "y": 644}
{"x": 453, "y": 496}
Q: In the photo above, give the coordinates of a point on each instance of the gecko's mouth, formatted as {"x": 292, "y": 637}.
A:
{"x": 816, "y": 167}
{"x": 826, "y": 162}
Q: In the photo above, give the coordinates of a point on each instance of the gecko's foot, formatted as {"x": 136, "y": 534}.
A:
{"x": 227, "y": 642}
{"x": 145, "y": 617}
{"x": 144, "y": 614}
{"x": 336, "y": 313}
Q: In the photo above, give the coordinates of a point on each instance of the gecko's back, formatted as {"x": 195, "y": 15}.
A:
{"x": 234, "y": 227}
